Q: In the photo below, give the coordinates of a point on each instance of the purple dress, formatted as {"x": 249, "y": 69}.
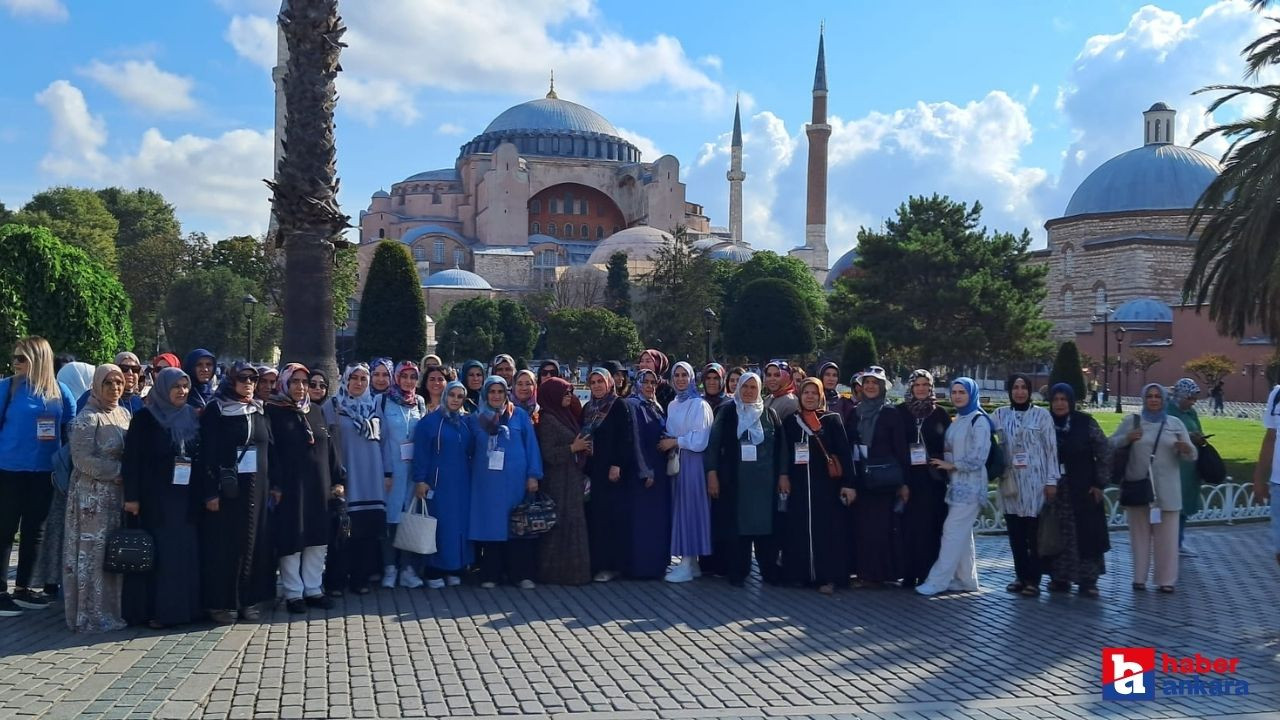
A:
{"x": 689, "y": 421}
{"x": 650, "y": 547}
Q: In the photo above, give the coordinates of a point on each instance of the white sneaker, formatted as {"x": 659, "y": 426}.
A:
{"x": 409, "y": 579}
{"x": 527, "y": 585}
{"x": 488, "y": 585}
{"x": 389, "y": 576}
{"x": 436, "y": 583}
{"x": 452, "y": 580}
{"x": 603, "y": 576}
{"x": 682, "y": 572}
{"x": 697, "y": 571}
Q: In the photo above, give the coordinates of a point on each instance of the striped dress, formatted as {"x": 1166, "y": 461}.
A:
{"x": 1030, "y": 431}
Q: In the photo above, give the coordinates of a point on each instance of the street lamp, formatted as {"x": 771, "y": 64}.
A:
{"x": 708, "y": 322}
{"x": 1119, "y": 366}
{"x": 1106, "y": 320}
{"x": 250, "y": 305}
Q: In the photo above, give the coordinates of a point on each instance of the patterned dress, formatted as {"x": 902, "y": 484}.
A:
{"x": 95, "y": 501}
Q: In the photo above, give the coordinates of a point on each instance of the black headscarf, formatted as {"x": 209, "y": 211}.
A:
{"x": 1008, "y": 387}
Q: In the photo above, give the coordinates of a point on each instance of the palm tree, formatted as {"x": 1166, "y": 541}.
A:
{"x": 305, "y": 189}
{"x": 1237, "y": 259}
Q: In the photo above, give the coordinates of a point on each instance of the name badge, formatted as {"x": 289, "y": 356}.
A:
{"x": 862, "y": 452}
{"x": 1062, "y": 470}
{"x": 748, "y": 452}
{"x": 497, "y": 459}
{"x": 182, "y": 472}
{"x": 46, "y": 428}
{"x": 919, "y": 456}
{"x": 248, "y": 462}
{"x": 430, "y": 493}
{"x": 802, "y": 453}
{"x": 1020, "y": 459}
{"x": 406, "y": 451}
{"x": 1155, "y": 515}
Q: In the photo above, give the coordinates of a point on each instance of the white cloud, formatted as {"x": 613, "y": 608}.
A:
{"x": 214, "y": 182}
{"x": 142, "y": 84}
{"x": 712, "y": 61}
{"x": 371, "y": 100}
{"x": 648, "y": 148}
{"x": 51, "y": 10}
{"x": 254, "y": 39}
{"x": 449, "y": 128}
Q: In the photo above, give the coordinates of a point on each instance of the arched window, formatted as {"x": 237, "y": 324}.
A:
{"x": 533, "y": 229}
{"x": 1068, "y": 260}
{"x": 599, "y": 232}
{"x": 586, "y": 231}
{"x": 568, "y": 204}
{"x": 535, "y": 206}
{"x": 582, "y": 207}
{"x": 438, "y": 251}
{"x": 568, "y": 230}
{"x": 555, "y": 206}
{"x": 458, "y": 257}
{"x": 1068, "y": 301}
{"x": 1100, "y": 299}
{"x": 551, "y": 229}
{"x": 419, "y": 254}
{"x": 382, "y": 232}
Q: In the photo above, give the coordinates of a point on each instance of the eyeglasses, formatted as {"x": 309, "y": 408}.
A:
{"x": 247, "y": 378}
{"x": 318, "y": 385}
{"x": 131, "y": 369}
{"x": 20, "y": 359}
{"x": 649, "y": 382}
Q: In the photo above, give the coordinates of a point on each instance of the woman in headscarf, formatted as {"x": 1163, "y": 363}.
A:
{"x": 781, "y": 397}
{"x": 563, "y": 557}
{"x": 507, "y": 467}
{"x": 267, "y": 379}
{"x": 713, "y": 387}
{"x": 157, "y": 467}
{"x": 134, "y": 383}
{"x": 715, "y": 383}
{"x": 235, "y": 448}
{"x": 359, "y": 434}
{"x": 547, "y": 369}
{"x": 472, "y": 376}
{"x": 318, "y": 393}
{"x": 607, "y": 424}
{"x": 442, "y": 447}
{"x": 434, "y": 381}
{"x": 78, "y": 377}
{"x": 94, "y": 500}
{"x": 689, "y": 420}
{"x": 968, "y": 442}
{"x": 525, "y": 392}
{"x": 815, "y": 538}
{"x": 400, "y": 408}
{"x": 648, "y": 487}
{"x": 829, "y": 374}
{"x": 430, "y": 361}
{"x": 199, "y": 366}
{"x": 381, "y": 371}
{"x": 304, "y": 463}
{"x": 1183, "y": 407}
{"x": 746, "y": 466}
{"x": 925, "y": 425}
{"x": 1085, "y": 458}
{"x": 883, "y": 493}
{"x": 1031, "y": 458}
{"x": 1158, "y": 444}
{"x": 618, "y": 373}
{"x": 731, "y": 380}
{"x": 504, "y": 366}
{"x": 656, "y": 362}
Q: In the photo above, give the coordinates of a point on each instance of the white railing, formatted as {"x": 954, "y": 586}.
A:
{"x": 1227, "y": 503}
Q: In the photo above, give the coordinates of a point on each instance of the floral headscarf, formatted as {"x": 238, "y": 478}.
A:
{"x": 531, "y": 405}
{"x": 597, "y": 408}
{"x": 359, "y": 409}
{"x": 281, "y": 396}
{"x": 920, "y": 409}
{"x": 1185, "y": 388}
{"x": 494, "y": 420}
{"x": 749, "y": 413}
{"x": 407, "y": 399}
{"x": 387, "y": 363}
{"x": 787, "y": 386}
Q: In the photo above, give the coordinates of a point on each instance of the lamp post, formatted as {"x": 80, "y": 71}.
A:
{"x": 708, "y": 321}
{"x": 1106, "y": 321}
{"x": 1119, "y": 368}
{"x": 250, "y": 305}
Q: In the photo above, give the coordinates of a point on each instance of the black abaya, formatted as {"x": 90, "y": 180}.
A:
{"x": 302, "y": 466}
{"x": 923, "y": 516}
{"x": 815, "y": 537}
{"x": 608, "y": 526}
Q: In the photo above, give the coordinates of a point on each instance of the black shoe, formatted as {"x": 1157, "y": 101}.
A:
{"x": 319, "y": 601}
{"x": 361, "y": 590}
{"x": 251, "y": 613}
{"x": 30, "y": 599}
{"x": 9, "y": 608}
{"x": 297, "y": 606}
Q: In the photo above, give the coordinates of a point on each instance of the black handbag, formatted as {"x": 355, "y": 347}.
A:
{"x": 887, "y": 476}
{"x": 129, "y": 550}
{"x": 1209, "y": 466}
{"x": 1139, "y": 492}
{"x": 533, "y": 517}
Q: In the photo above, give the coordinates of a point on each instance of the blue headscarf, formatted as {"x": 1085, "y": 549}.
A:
{"x": 453, "y": 416}
{"x": 201, "y": 393}
{"x": 494, "y": 421}
{"x": 1064, "y": 389}
{"x": 472, "y": 395}
{"x": 1155, "y": 417}
{"x": 970, "y": 387}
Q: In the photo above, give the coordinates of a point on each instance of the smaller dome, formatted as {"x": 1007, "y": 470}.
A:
{"x": 382, "y": 194}
{"x": 640, "y": 243}
{"x": 1143, "y": 310}
{"x": 708, "y": 243}
{"x": 456, "y": 278}
{"x": 733, "y": 253}
{"x": 841, "y": 267}
{"x": 450, "y": 174}
{"x": 1159, "y": 106}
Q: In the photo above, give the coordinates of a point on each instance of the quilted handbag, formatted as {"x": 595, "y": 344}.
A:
{"x": 533, "y": 517}
{"x": 130, "y": 550}
{"x": 417, "y": 530}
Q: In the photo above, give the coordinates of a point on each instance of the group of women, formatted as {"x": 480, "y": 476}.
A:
{"x": 265, "y": 473}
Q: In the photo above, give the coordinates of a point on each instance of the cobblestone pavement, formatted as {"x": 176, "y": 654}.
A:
{"x": 698, "y": 650}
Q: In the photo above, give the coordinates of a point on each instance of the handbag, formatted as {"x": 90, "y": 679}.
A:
{"x": 884, "y": 477}
{"x": 535, "y": 516}
{"x": 1009, "y": 486}
{"x": 1139, "y": 492}
{"x": 129, "y": 550}
{"x": 834, "y": 469}
{"x": 673, "y": 463}
{"x": 1049, "y": 536}
{"x": 1120, "y": 458}
{"x": 416, "y": 532}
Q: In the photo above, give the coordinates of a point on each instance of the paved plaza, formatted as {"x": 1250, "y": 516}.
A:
{"x": 699, "y": 650}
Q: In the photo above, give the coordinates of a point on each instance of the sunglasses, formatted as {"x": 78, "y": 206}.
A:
{"x": 131, "y": 369}
{"x": 247, "y": 378}
{"x": 318, "y": 385}
{"x": 21, "y": 359}
{"x": 547, "y": 373}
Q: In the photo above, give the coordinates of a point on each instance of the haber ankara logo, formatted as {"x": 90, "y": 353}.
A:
{"x": 1128, "y": 673}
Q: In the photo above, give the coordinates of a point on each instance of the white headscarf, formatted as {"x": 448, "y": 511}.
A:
{"x": 77, "y": 376}
{"x": 749, "y": 413}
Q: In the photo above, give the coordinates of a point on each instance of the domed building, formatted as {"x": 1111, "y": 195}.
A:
{"x": 450, "y": 286}
{"x": 840, "y": 268}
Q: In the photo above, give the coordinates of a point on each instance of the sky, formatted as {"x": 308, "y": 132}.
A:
{"x": 1006, "y": 102}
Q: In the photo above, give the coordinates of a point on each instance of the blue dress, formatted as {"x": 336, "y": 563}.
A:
{"x": 442, "y": 459}
{"x": 650, "y": 507}
{"x": 398, "y": 423}
{"x": 494, "y": 493}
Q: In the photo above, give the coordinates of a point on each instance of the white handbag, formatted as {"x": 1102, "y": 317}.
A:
{"x": 417, "y": 530}
{"x": 673, "y": 463}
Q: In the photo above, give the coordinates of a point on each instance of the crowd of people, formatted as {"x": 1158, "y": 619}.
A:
{"x": 268, "y": 482}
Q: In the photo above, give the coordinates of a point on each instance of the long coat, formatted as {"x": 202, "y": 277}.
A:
{"x": 746, "y": 503}
{"x": 495, "y": 493}
{"x": 305, "y": 463}
{"x": 442, "y": 459}
{"x": 815, "y": 538}
{"x": 398, "y": 423}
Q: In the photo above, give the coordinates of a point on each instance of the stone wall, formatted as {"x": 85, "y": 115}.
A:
{"x": 507, "y": 271}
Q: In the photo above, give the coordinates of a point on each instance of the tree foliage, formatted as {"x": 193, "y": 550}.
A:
{"x": 859, "y": 351}
{"x": 617, "y": 293}
{"x": 935, "y": 288}
{"x": 1210, "y": 367}
{"x": 148, "y": 269}
{"x": 594, "y": 334}
{"x": 75, "y": 216}
{"x": 479, "y": 328}
{"x": 769, "y": 319}
{"x": 676, "y": 296}
{"x": 1067, "y": 369}
{"x": 768, "y": 264}
{"x": 393, "y": 317}
{"x": 346, "y": 270}
{"x": 141, "y": 214}
{"x": 6, "y": 215}
{"x": 205, "y": 308}
{"x": 1144, "y": 359}
{"x": 58, "y": 291}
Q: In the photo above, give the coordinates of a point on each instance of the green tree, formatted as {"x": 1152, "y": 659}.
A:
{"x": 676, "y": 294}
{"x": 479, "y": 328}
{"x": 205, "y": 309}
{"x": 593, "y": 334}
{"x": 141, "y": 214}
{"x": 393, "y": 317}
{"x": 617, "y": 291}
{"x": 768, "y": 264}
{"x": 56, "y": 290}
{"x": 75, "y": 216}
{"x": 246, "y": 256}
{"x": 148, "y": 268}
{"x": 859, "y": 351}
{"x": 769, "y": 319}
{"x": 935, "y": 288}
{"x": 1210, "y": 367}
{"x": 517, "y": 332}
{"x": 346, "y": 270}
{"x": 6, "y": 215}
{"x": 1144, "y": 359}
{"x": 1067, "y": 369}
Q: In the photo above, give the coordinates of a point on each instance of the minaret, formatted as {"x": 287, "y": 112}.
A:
{"x": 735, "y": 177}
{"x": 277, "y": 77}
{"x": 814, "y": 251}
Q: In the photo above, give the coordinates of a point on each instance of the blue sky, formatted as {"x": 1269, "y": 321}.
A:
{"x": 1011, "y": 103}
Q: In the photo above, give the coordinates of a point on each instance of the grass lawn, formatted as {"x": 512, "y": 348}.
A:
{"x": 1235, "y": 439}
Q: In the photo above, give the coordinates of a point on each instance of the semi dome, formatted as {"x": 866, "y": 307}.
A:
{"x": 1152, "y": 177}
{"x": 841, "y": 267}
{"x": 456, "y": 278}
{"x": 733, "y": 253}
{"x": 1143, "y": 310}
{"x": 447, "y": 174}
{"x": 640, "y": 243}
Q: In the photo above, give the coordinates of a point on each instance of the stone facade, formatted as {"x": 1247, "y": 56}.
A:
{"x": 505, "y": 269}
{"x": 437, "y": 299}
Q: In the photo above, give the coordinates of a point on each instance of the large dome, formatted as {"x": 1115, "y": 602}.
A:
{"x": 555, "y": 127}
{"x": 552, "y": 114}
{"x": 640, "y": 243}
{"x": 1152, "y": 177}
